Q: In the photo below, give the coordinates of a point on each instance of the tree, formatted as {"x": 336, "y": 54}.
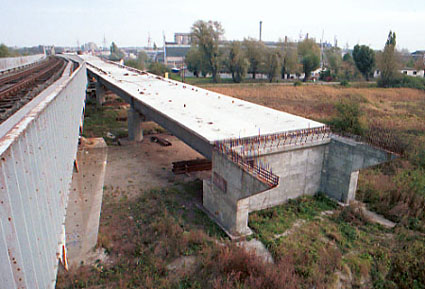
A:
{"x": 140, "y": 62}
{"x": 334, "y": 59}
{"x": 347, "y": 58}
{"x": 272, "y": 63}
{"x": 364, "y": 58}
{"x": 310, "y": 62}
{"x": 157, "y": 68}
{"x": 290, "y": 62}
{"x": 310, "y": 56}
{"x": 116, "y": 53}
{"x": 348, "y": 68}
{"x": 4, "y": 51}
{"x": 255, "y": 53}
{"x": 389, "y": 62}
{"x": 195, "y": 62}
{"x": 237, "y": 63}
{"x": 420, "y": 64}
{"x": 206, "y": 35}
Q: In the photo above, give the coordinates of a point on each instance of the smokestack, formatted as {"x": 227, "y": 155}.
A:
{"x": 261, "y": 23}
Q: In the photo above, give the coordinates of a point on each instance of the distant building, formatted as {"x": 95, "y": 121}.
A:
{"x": 406, "y": 71}
{"x": 182, "y": 38}
{"x": 413, "y": 72}
{"x": 89, "y": 46}
{"x": 175, "y": 52}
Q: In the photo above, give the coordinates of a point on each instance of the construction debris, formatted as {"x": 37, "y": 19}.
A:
{"x": 162, "y": 141}
{"x": 184, "y": 167}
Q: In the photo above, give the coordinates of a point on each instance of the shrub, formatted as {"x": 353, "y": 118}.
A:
{"x": 237, "y": 268}
{"x": 344, "y": 83}
{"x": 348, "y": 118}
{"x": 407, "y": 266}
{"x": 298, "y": 83}
{"x": 157, "y": 68}
{"x": 404, "y": 81}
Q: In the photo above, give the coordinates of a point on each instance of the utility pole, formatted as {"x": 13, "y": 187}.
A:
{"x": 261, "y": 24}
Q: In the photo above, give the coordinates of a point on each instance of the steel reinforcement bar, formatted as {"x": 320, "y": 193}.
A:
{"x": 257, "y": 168}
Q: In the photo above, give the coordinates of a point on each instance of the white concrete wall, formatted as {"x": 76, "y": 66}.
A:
{"x": 299, "y": 174}
{"x": 9, "y": 63}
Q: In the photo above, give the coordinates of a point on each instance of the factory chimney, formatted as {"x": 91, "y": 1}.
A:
{"x": 261, "y": 23}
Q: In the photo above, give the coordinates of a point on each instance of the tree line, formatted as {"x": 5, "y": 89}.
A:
{"x": 209, "y": 55}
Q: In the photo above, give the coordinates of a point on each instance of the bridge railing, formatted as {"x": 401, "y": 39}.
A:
{"x": 38, "y": 146}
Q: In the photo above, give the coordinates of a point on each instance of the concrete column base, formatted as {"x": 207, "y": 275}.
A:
{"x": 100, "y": 94}
{"x": 85, "y": 200}
{"x": 135, "y": 131}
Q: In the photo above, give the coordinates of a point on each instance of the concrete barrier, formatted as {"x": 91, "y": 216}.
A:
{"x": 38, "y": 145}
{"x": 10, "y": 63}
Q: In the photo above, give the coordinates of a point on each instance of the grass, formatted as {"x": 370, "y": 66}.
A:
{"x": 276, "y": 220}
{"x": 98, "y": 122}
{"x": 143, "y": 236}
{"x": 395, "y": 190}
{"x": 327, "y": 249}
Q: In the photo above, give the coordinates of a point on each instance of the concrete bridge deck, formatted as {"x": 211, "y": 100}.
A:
{"x": 206, "y": 115}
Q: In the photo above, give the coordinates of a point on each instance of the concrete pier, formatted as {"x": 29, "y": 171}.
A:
{"x": 135, "y": 120}
{"x": 100, "y": 93}
{"x": 85, "y": 200}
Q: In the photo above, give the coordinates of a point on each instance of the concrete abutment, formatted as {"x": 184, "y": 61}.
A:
{"x": 330, "y": 167}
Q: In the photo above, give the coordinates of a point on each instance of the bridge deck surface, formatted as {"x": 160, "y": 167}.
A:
{"x": 212, "y": 116}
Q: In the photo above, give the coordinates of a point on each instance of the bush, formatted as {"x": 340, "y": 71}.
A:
{"x": 298, "y": 83}
{"x": 404, "y": 81}
{"x": 325, "y": 75}
{"x": 344, "y": 83}
{"x": 348, "y": 118}
{"x": 157, "y": 68}
{"x": 234, "y": 267}
{"x": 407, "y": 266}
{"x": 134, "y": 63}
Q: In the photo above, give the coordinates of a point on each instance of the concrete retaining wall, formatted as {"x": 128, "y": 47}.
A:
{"x": 10, "y": 63}
{"x": 299, "y": 174}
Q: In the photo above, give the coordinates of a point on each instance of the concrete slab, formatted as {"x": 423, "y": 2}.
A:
{"x": 212, "y": 116}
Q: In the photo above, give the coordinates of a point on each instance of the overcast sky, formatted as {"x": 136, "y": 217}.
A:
{"x": 129, "y": 22}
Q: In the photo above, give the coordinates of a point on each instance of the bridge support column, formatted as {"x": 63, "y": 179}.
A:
{"x": 85, "y": 200}
{"x": 135, "y": 119}
{"x": 100, "y": 94}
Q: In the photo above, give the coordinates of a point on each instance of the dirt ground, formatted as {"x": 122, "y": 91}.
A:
{"x": 135, "y": 167}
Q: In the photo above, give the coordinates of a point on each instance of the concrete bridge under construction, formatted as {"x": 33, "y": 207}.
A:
{"x": 260, "y": 158}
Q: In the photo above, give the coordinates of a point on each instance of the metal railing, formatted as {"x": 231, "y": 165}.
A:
{"x": 245, "y": 152}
